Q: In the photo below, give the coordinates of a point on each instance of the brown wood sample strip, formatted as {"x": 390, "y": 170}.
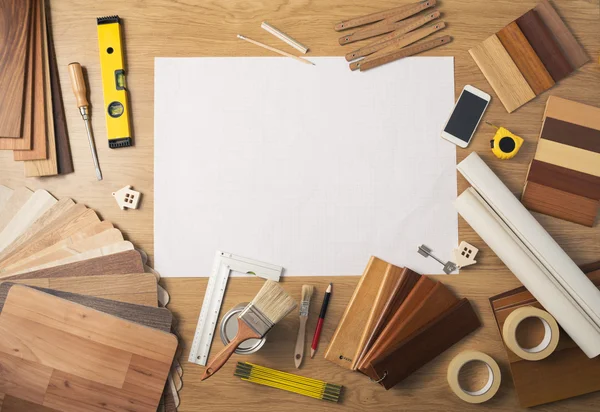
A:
{"x": 571, "y": 134}
{"x": 542, "y": 41}
{"x": 573, "y": 112}
{"x": 567, "y": 180}
{"x": 19, "y": 197}
{"x": 502, "y": 73}
{"x": 569, "y": 157}
{"x": 528, "y": 63}
{"x": 387, "y": 16}
{"x": 13, "y": 57}
{"x": 48, "y": 166}
{"x": 38, "y": 115}
{"x": 563, "y": 205}
{"x": 569, "y": 46}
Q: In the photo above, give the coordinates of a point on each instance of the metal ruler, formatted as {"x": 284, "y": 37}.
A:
{"x": 224, "y": 264}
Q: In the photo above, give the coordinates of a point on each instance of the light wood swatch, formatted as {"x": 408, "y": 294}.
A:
{"x": 48, "y": 166}
{"x": 502, "y": 73}
{"x": 5, "y": 194}
{"x": 19, "y": 197}
{"x": 35, "y": 207}
{"x": 573, "y": 112}
{"x": 528, "y": 63}
{"x": 568, "y": 156}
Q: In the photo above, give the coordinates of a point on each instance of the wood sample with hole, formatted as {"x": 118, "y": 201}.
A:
{"x": 564, "y": 178}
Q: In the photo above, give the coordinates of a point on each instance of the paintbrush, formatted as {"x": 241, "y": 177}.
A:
{"x": 307, "y": 292}
{"x": 270, "y": 305}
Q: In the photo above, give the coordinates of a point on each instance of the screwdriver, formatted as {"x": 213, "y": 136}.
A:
{"x": 79, "y": 89}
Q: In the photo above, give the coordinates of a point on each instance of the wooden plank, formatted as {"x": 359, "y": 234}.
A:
{"x": 563, "y": 205}
{"x": 13, "y": 404}
{"x": 573, "y": 112}
{"x": 528, "y": 63}
{"x": 567, "y": 180}
{"x": 38, "y": 204}
{"x": 571, "y": 134}
{"x": 542, "y": 41}
{"x": 38, "y": 120}
{"x": 19, "y": 197}
{"x": 23, "y": 379}
{"x": 568, "y": 156}
{"x": 48, "y": 166}
{"x": 24, "y": 143}
{"x": 569, "y": 46}
{"x": 13, "y": 55}
{"x": 502, "y": 73}
{"x": 5, "y": 194}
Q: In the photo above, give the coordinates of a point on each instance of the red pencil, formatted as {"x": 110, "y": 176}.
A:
{"x": 315, "y": 341}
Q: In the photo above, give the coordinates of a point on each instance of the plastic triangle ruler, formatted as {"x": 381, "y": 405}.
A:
{"x": 224, "y": 264}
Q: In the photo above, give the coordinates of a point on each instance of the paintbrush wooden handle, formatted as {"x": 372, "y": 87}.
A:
{"x": 244, "y": 333}
{"x": 299, "y": 352}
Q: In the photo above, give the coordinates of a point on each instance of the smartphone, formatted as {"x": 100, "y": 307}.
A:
{"x": 465, "y": 117}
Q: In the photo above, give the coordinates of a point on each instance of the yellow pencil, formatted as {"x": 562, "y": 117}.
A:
{"x": 273, "y": 49}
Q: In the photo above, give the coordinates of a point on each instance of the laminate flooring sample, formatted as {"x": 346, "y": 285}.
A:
{"x": 48, "y": 339}
{"x": 19, "y": 197}
{"x": 5, "y": 194}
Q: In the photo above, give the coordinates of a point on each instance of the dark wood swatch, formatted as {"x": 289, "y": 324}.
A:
{"x": 528, "y": 62}
{"x": 571, "y": 134}
{"x": 567, "y": 180}
{"x": 567, "y": 373}
{"x": 117, "y": 264}
{"x": 563, "y": 205}
{"x": 12, "y": 404}
{"x": 13, "y": 56}
{"x": 158, "y": 318}
{"x": 63, "y": 149}
{"x": 544, "y": 45}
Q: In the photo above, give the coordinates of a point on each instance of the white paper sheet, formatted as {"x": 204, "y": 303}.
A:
{"x": 314, "y": 168}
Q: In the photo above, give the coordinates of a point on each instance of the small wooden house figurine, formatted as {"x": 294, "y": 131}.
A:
{"x": 127, "y": 198}
{"x": 465, "y": 254}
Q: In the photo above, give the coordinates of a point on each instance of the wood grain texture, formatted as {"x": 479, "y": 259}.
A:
{"x": 566, "y": 373}
{"x": 502, "y": 73}
{"x": 571, "y": 134}
{"x": 567, "y": 180}
{"x": 528, "y": 63}
{"x": 563, "y": 205}
{"x": 468, "y": 22}
{"x": 542, "y": 41}
{"x": 569, "y": 157}
{"x": 13, "y": 57}
{"x": 573, "y": 112}
{"x": 5, "y": 194}
{"x": 13, "y": 404}
{"x": 48, "y": 166}
{"x": 12, "y": 206}
{"x": 569, "y": 46}
{"x": 38, "y": 115}
{"x": 139, "y": 355}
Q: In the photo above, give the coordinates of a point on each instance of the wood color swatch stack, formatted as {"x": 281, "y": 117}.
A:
{"x": 568, "y": 372}
{"x": 32, "y": 120}
{"x": 396, "y": 322}
{"x": 529, "y": 56}
{"x": 79, "y": 318}
{"x": 564, "y": 176}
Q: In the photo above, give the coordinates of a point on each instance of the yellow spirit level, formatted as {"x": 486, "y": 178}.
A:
{"x": 113, "y": 82}
{"x": 505, "y": 145}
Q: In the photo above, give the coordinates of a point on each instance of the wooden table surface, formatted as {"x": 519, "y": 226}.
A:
{"x": 208, "y": 28}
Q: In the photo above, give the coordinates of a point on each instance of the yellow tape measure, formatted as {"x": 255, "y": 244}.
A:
{"x": 113, "y": 82}
{"x": 505, "y": 145}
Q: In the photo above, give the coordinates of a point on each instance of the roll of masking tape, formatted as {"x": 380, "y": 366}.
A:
{"x": 489, "y": 389}
{"x": 545, "y": 347}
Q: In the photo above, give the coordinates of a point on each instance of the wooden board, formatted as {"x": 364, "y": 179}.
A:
{"x": 502, "y": 73}
{"x": 35, "y": 207}
{"x": 569, "y": 46}
{"x": 24, "y": 142}
{"x": 19, "y": 197}
{"x": 571, "y": 134}
{"x": 48, "y": 166}
{"x": 564, "y": 374}
{"x": 567, "y": 180}
{"x": 569, "y": 157}
{"x": 573, "y": 112}
{"x": 563, "y": 205}
{"x": 528, "y": 63}
{"x": 38, "y": 120}
{"x": 5, "y": 194}
{"x": 135, "y": 288}
{"x": 117, "y": 264}
{"x": 13, "y": 57}
{"x": 126, "y": 364}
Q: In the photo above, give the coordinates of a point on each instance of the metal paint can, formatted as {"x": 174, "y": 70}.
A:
{"x": 229, "y": 328}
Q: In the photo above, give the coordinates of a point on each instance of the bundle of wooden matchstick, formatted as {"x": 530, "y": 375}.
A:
{"x": 301, "y": 385}
{"x": 395, "y": 30}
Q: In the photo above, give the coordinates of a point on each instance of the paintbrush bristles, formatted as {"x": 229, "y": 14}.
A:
{"x": 273, "y": 301}
{"x": 307, "y": 292}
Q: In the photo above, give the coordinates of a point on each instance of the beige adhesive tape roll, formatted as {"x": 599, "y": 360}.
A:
{"x": 489, "y": 389}
{"x": 548, "y": 343}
